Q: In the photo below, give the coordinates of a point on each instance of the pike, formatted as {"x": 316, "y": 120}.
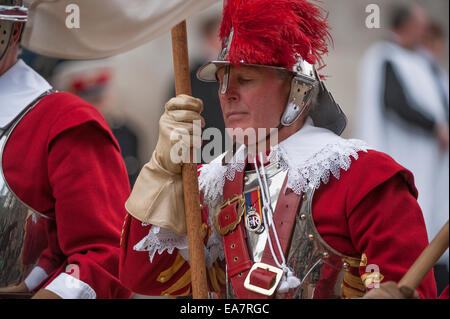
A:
{"x": 189, "y": 172}
{"x": 427, "y": 259}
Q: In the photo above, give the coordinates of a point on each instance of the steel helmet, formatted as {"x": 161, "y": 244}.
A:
{"x": 288, "y": 35}
{"x": 11, "y": 11}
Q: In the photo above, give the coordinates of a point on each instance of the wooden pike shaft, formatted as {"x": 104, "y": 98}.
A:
{"x": 426, "y": 260}
{"x": 189, "y": 172}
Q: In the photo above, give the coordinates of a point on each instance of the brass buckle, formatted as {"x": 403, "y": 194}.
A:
{"x": 262, "y": 291}
{"x": 223, "y": 231}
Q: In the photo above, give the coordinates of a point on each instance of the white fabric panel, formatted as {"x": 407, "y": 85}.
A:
{"x": 106, "y": 27}
{"x": 19, "y": 86}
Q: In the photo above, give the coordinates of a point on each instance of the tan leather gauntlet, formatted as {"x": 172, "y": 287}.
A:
{"x": 157, "y": 196}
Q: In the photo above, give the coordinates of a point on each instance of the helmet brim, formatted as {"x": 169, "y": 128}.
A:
{"x": 13, "y": 14}
{"x": 208, "y": 72}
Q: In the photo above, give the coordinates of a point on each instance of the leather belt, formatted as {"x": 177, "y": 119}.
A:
{"x": 263, "y": 276}
{"x": 288, "y": 205}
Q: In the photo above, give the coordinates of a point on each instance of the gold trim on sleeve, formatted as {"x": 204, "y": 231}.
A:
{"x": 165, "y": 275}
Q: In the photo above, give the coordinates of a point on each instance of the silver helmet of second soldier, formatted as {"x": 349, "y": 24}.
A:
{"x": 11, "y": 12}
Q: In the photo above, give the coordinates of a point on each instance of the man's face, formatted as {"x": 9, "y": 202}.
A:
{"x": 256, "y": 97}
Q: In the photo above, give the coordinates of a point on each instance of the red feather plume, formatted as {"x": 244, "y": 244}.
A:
{"x": 272, "y": 32}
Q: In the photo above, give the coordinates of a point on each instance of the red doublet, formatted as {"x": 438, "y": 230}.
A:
{"x": 370, "y": 212}
{"x": 63, "y": 161}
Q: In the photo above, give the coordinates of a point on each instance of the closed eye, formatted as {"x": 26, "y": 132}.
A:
{"x": 244, "y": 80}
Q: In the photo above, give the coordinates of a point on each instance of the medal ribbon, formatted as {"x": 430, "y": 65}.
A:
{"x": 253, "y": 203}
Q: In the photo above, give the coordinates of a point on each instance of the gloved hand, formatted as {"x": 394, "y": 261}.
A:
{"x": 157, "y": 195}
{"x": 175, "y": 125}
{"x": 390, "y": 290}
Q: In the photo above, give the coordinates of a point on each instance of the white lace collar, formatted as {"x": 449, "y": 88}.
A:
{"x": 212, "y": 176}
{"x": 19, "y": 86}
{"x": 309, "y": 155}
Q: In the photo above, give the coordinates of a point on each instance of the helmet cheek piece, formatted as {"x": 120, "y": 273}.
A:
{"x": 225, "y": 80}
{"x": 11, "y": 11}
{"x": 303, "y": 85}
{"x": 299, "y": 99}
{"x": 6, "y": 31}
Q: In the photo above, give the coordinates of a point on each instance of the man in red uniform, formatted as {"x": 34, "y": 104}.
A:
{"x": 63, "y": 184}
{"x": 319, "y": 217}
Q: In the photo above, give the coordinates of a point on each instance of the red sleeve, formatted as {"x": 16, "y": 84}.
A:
{"x": 386, "y": 224}
{"x": 167, "y": 274}
{"x": 51, "y": 257}
{"x": 90, "y": 185}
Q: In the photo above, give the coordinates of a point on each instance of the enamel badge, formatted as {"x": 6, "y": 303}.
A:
{"x": 253, "y": 217}
{"x": 253, "y": 222}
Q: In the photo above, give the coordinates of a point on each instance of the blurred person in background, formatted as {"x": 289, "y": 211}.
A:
{"x": 434, "y": 51}
{"x": 93, "y": 81}
{"x": 403, "y": 111}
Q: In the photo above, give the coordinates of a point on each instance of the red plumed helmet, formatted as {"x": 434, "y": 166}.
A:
{"x": 270, "y": 33}
{"x": 290, "y": 35}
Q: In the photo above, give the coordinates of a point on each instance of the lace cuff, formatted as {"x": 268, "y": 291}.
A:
{"x": 161, "y": 240}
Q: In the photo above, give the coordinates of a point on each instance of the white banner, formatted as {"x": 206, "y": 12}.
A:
{"x": 91, "y": 29}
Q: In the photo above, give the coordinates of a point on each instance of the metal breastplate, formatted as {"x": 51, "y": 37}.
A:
{"x": 321, "y": 269}
{"x": 22, "y": 229}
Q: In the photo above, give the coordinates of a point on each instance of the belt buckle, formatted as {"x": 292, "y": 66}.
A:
{"x": 231, "y": 200}
{"x": 262, "y": 291}
{"x": 240, "y": 211}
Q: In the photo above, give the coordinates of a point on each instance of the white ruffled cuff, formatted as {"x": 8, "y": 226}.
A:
{"x": 35, "y": 277}
{"x": 161, "y": 240}
{"x": 69, "y": 287}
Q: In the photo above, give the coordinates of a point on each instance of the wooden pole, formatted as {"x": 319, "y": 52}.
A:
{"x": 426, "y": 260}
{"x": 189, "y": 172}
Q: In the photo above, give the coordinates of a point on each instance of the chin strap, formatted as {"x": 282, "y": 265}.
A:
{"x": 226, "y": 79}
